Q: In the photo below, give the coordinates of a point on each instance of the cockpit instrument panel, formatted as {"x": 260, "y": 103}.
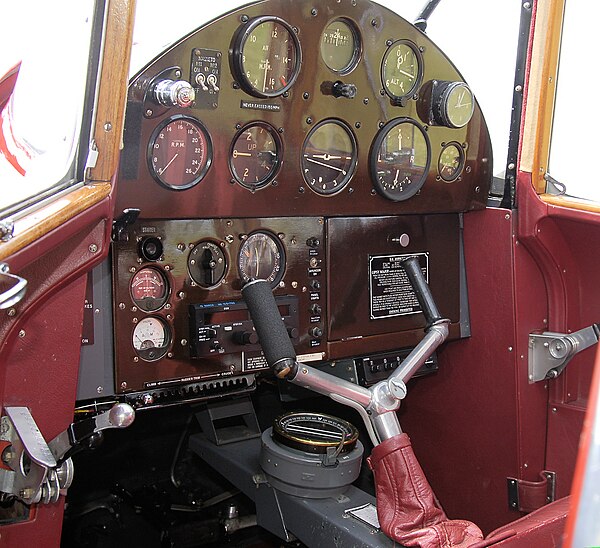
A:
{"x": 310, "y": 144}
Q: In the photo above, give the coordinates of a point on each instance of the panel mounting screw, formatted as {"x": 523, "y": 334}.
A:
{"x": 108, "y": 127}
{"x": 12, "y": 312}
{"x": 22, "y": 333}
{"x": 149, "y": 112}
{"x": 93, "y": 248}
{"x": 313, "y": 12}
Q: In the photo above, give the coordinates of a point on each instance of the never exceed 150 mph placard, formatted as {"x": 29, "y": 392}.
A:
{"x": 390, "y": 292}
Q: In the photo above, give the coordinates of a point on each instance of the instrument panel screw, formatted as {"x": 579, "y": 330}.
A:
{"x": 519, "y": 88}
{"x": 357, "y": 125}
{"x": 108, "y": 127}
{"x": 511, "y": 166}
{"x": 382, "y": 92}
{"x": 374, "y": 22}
{"x": 134, "y": 320}
{"x": 229, "y": 239}
{"x": 124, "y": 385}
{"x": 305, "y": 95}
{"x": 380, "y": 124}
{"x": 389, "y": 42}
{"x": 244, "y": 18}
{"x": 366, "y": 100}
{"x": 510, "y": 348}
{"x": 22, "y": 333}
{"x": 313, "y": 12}
{"x": 309, "y": 120}
{"x": 12, "y": 312}
{"x": 99, "y": 390}
{"x": 477, "y": 190}
{"x": 93, "y": 248}
{"x": 280, "y": 130}
{"x": 132, "y": 269}
{"x": 527, "y": 5}
{"x": 181, "y": 295}
{"x": 170, "y": 355}
{"x": 421, "y": 49}
{"x": 281, "y": 236}
{"x": 149, "y": 112}
{"x": 183, "y": 342}
{"x": 121, "y": 306}
{"x": 301, "y": 190}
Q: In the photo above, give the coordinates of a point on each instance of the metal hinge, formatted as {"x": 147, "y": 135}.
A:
{"x": 527, "y": 496}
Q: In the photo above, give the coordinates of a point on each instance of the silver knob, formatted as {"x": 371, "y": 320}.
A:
{"x": 174, "y": 93}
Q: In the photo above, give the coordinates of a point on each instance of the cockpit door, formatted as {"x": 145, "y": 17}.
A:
{"x": 47, "y": 249}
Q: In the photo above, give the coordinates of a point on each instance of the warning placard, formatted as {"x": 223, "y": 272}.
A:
{"x": 390, "y": 292}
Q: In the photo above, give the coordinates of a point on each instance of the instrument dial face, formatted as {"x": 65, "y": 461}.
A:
{"x": 400, "y": 159}
{"x": 149, "y": 289}
{"x": 261, "y": 257}
{"x": 266, "y": 56}
{"x": 255, "y": 155}
{"x": 401, "y": 70}
{"x": 340, "y": 46}
{"x": 451, "y": 162}
{"x": 207, "y": 264}
{"x": 151, "y": 338}
{"x": 179, "y": 153}
{"x": 329, "y": 156}
{"x": 457, "y": 105}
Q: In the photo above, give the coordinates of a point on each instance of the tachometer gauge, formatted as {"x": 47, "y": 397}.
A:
{"x": 329, "y": 157}
{"x": 255, "y": 155}
{"x": 401, "y": 70}
{"x": 261, "y": 257}
{"x": 451, "y": 162}
{"x": 266, "y": 56}
{"x": 400, "y": 159}
{"x": 453, "y": 104}
{"x": 151, "y": 338}
{"x": 149, "y": 289}
{"x": 179, "y": 152}
{"x": 340, "y": 46}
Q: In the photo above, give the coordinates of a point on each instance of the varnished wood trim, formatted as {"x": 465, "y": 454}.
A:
{"x": 541, "y": 90}
{"x": 114, "y": 74}
{"x": 571, "y": 202}
{"x": 55, "y": 213}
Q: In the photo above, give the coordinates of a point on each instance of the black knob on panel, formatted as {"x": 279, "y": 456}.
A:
{"x": 316, "y": 332}
{"x": 245, "y": 337}
{"x": 339, "y": 89}
{"x": 293, "y": 332}
{"x": 313, "y": 242}
{"x": 315, "y": 284}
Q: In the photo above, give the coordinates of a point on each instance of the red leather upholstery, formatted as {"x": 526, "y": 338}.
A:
{"x": 406, "y": 507}
{"x": 543, "y": 528}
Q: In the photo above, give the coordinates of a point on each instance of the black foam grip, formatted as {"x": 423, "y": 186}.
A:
{"x": 421, "y": 289}
{"x": 272, "y": 333}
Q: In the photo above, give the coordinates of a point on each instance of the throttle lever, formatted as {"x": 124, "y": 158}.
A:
{"x": 70, "y": 440}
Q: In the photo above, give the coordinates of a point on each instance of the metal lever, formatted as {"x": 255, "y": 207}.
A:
{"x": 66, "y": 443}
{"x": 15, "y": 293}
{"x": 549, "y": 353}
{"x": 35, "y": 471}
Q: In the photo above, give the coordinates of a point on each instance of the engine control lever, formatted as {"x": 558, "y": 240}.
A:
{"x": 67, "y": 442}
{"x": 272, "y": 333}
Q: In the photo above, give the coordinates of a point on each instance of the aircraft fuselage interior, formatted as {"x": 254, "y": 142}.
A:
{"x": 299, "y": 285}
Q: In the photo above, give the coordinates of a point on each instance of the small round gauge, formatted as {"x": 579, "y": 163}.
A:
{"x": 207, "y": 264}
{"x": 329, "y": 156}
{"x": 266, "y": 56}
{"x": 255, "y": 155}
{"x": 151, "y": 338}
{"x": 261, "y": 257}
{"x": 179, "y": 152}
{"x": 453, "y": 104}
{"x": 149, "y": 289}
{"x": 401, "y": 70}
{"x": 400, "y": 159}
{"x": 451, "y": 162}
{"x": 340, "y": 46}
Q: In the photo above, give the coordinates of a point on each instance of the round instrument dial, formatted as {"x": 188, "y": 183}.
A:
{"x": 340, "y": 46}
{"x": 329, "y": 157}
{"x": 401, "y": 70}
{"x": 207, "y": 264}
{"x": 400, "y": 159}
{"x": 453, "y": 104}
{"x": 179, "y": 152}
{"x": 149, "y": 289}
{"x": 151, "y": 338}
{"x": 451, "y": 162}
{"x": 255, "y": 155}
{"x": 266, "y": 56}
{"x": 261, "y": 257}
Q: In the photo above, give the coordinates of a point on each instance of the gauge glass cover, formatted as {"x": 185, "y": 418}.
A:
{"x": 329, "y": 156}
{"x": 179, "y": 153}
{"x": 255, "y": 156}
{"x": 207, "y": 264}
{"x": 400, "y": 159}
{"x": 458, "y": 105}
{"x": 261, "y": 257}
{"x": 149, "y": 289}
{"x": 451, "y": 162}
{"x": 340, "y": 46}
{"x": 267, "y": 57}
{"x": 401, "y": 70}
{"x": 151, "y": 338}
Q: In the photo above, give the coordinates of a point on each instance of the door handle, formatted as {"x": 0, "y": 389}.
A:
{"x": 14, "y": 293}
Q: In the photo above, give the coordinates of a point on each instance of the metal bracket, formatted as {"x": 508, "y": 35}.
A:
{"x": 128, "y": 217}
{"x": 16, "y": 292}
{"x": 549, "y": 353}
